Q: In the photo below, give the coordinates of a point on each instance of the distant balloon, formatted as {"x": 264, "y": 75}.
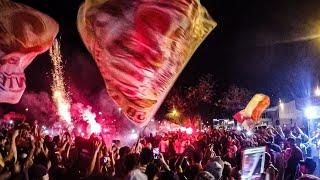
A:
{"x": 24, "y": 33}
{"x": 252, "y": 113}
{"x": 141, "y": 47}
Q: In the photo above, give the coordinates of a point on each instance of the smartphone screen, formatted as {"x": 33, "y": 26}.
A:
{"x": 156, "y": 153}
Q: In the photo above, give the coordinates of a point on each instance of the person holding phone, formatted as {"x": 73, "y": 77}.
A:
{"x": 156, "y": 153}
{"x": 146, "y": 157}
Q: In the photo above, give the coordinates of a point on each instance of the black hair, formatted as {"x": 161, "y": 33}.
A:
{"x": 197, "y": 156}
{"x": 131, "y": 162}
{"x": 146, "y": 156}
{"x": 123, "y": 151}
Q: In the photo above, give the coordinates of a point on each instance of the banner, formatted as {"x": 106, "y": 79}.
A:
{"x": 24, "y": 33}
{"x": 141, "y": 47}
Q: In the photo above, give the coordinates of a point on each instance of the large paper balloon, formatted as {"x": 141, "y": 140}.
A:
{"x": 24, "y": 33}
{"x": 252, "y": 113}
{"x": 141, "y": 46}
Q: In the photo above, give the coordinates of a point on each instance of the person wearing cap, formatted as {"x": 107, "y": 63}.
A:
{"x": 307, "y": 168}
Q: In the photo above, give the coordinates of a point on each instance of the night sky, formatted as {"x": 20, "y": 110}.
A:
{"x": 266, "y": 46}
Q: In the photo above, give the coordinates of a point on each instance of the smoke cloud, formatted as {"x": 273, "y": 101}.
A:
{"x": 40, "y": 107}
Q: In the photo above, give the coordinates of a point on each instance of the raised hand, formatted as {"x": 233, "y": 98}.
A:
{"x": 32, "y": 140}
{"x": 97, "y": 145}
{"x": 15, "y": 134}
{"x": 161, "y": 158}
{"x": 163, "y": 161}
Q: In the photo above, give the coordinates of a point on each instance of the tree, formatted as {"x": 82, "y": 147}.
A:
{"x": 235, "y": 98}
{"x": 40, "y": 107}
{"x": 176, "y": 100}
{"x": 175, "y": 105}
{"x": 203, "y": 91}
{"x": 187, "y": 101}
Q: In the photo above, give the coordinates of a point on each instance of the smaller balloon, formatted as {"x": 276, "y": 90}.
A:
{"x": 252, "y": 113}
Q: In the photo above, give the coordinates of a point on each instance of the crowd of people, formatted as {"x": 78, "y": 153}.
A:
{"x": 27, "y": 152}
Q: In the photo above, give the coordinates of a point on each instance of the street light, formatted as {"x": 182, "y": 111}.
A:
{"x": 311, "y": 113}
{"x": 281, "y": 105}
{"x": 317, "y": 91}
{"x": 174, "y": 112}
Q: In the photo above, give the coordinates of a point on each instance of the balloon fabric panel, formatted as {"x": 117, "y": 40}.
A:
{"x": 24, "y": 33}
{"x": 141, "y": 47}
{"x": 253, "y": 111}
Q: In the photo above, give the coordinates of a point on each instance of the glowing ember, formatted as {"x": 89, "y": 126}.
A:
{"x": 58, "y": 88}
{"x": 90, "y": 117}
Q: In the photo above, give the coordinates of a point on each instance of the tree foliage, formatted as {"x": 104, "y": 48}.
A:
{"x": 186, "y": 101}
{"x": 235, "y": 98}
{"x": 203, "y": 92}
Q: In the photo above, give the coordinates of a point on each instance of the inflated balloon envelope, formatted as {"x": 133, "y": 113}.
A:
{"x": 24, "y": 33}
{"x": 252, "y": 113}
{"x": 141, "y": 47}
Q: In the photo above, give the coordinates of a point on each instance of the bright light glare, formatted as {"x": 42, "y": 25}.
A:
{"x": 90, "y": 117}
{"x": 189, "y": 130}
{"x": 10, "y": 122}
{"x": 311, "y": 112}
{"x": 281, "y": 105}
{"x": 249, "y": 133}
{"x": 46, "y": 132}
{"x": 134, "y": 136}
{"x": 95, "y": 128}
{"x": 174, "y": 112}
{"x": 239, "y": 128}
{"x": 317, "y": 91}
